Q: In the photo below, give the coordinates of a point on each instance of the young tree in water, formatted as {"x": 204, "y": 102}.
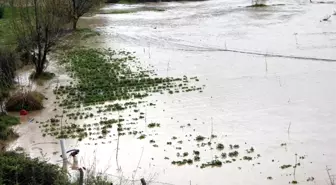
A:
{"x": 7, "y": 73}
{"x": 77, "y": 8}
{"x": 37, "y": 25}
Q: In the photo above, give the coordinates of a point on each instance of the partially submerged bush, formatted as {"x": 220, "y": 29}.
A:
{"x": 29, "y": 101}
{"x": 220, "y": 146}
{"x": 200, "y": 138}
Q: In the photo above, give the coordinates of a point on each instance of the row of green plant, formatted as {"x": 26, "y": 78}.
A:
{"x": 105, "y": 75}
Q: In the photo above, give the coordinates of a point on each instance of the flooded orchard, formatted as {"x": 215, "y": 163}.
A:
{"x": 251, "y": 95}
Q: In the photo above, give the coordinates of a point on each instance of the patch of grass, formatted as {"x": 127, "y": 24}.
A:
{"x": 6, "y": 122}
{"x": 126, "y": 11}
{"x": 220, "y": 146}
{"x": 285, "y": 166}
{"x": 73, "y": 39}
{"x": 197, "y": 158}
{"x": 44, "y": 76}
{"x": 85, "y": 33}
{"x": 213, "y": 163}
{"x": 258, "y": 5}
{"x": 105, "y": 76}
{"x": 251, "y": 150}
{"x": 234, "y": 154}
{"x": 183, "y": 162}
{"x": 200, "y": 138}
{"x": 152, "y": 125}
{"x": 103, "y": 79}
{"x": 247, "y": 158}
{"x": 143, "y": 136}
{"x": 7, "y": 37}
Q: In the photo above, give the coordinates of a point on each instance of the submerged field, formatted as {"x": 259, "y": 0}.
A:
{"x": 181, "y": 98}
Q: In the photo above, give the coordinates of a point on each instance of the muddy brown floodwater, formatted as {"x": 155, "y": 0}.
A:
{"x": 281, "y": 106}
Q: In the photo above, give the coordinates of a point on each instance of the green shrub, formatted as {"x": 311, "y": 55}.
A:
{"x": 19, "y": 169}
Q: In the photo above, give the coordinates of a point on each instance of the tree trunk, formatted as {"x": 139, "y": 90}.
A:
{"x": 39, "y": 69}
{"x": 74, "y": 24}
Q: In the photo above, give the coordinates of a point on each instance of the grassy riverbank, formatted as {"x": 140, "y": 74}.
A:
{"x": 7, "y": 37}
{"x": 6, "y": 132}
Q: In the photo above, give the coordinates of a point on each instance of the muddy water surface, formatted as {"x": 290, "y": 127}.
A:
{"x": 250, "y": 100}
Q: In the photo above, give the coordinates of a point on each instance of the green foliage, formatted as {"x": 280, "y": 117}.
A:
{"x": 233, "y": 154}
{"x": 7, "y": 37}
{"x": 220, "y": 146}
{"x": 143, "y": 136}
{"x": 20, "y": 169}
{"x": 152, "y": 125}
{"x": 6, "y": 121}
{"x": 285, "y": 166}
{"x": 2, "y": 12}
{"x": 107, "y": 76}
{"x": 43, "y": 76}
{"x": 213, "y": 163}
{"x": 102, "y": 78}
{"x": 257, "y": 5}
{"x": 247, "y": 158}
{"x": 183, "y": 162}
{"x": 7, "y": 69}
{"x": 200, "y": 138}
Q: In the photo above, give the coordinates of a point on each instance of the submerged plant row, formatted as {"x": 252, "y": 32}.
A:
{"x": 106, "y": 81}
{"x": 105, "y": 84}
{"x": 108, "y": 75}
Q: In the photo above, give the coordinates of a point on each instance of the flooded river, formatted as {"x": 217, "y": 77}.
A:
{"x": 270, "y": 83}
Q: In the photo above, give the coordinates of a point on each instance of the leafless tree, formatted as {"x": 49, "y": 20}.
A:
{"x": 37, "y": 25}
{"x": 7, "y": 73}
{"x": 77, "y": 8}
